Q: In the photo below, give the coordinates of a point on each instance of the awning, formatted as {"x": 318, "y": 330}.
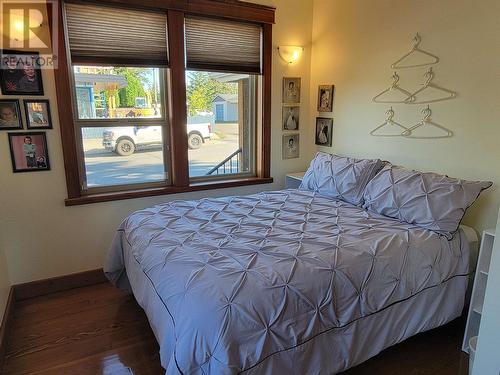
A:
{"x": 101, "y": 82}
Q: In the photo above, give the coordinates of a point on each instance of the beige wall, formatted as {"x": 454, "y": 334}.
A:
{"x": 354, "y": 44}
{"x": 4, "y": 283}
{"x": 43, "y": 238}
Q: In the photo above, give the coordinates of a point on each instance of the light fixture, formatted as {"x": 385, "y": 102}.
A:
{"x": 290, "y": 53}
{"x": 17, "y": 25}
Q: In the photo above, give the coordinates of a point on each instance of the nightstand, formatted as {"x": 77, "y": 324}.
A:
{"x": 293, "y": 180}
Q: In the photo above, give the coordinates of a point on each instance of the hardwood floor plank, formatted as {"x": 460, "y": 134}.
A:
{"x": 49, "y": 331}
{"x": 62, "y": 330}
{"x": 68, "y": 302}
{"x": 139, "y": 358}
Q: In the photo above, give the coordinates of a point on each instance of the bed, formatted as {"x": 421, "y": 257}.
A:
{"x": 287, "y": 281}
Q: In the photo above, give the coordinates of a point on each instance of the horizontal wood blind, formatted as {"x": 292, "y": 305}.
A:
{"x": 102, "y": 34}
{"x": 214, "y": 44}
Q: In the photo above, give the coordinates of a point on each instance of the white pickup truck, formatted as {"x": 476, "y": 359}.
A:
{"x": 126, "y": 140}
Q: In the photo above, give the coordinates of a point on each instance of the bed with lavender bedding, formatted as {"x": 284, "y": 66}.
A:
{"x": 283, "y": 282}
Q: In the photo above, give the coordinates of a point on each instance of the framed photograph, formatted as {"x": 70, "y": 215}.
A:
{"x": 291, "y": 90}
{"x": 38, "y": 114}
{"x": 290, "y": 118}
{"x": 325, "y": 98}
{"x": 324, "y": 130}
{"x": 20, "y": 73}
{"x": 290, "y": 147}
{"x": 29, "y": 152}
{"x": 10, "y": 115}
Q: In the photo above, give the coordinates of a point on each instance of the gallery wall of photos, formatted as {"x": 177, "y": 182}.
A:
{"x": 20, "y": 77}
{"x": 324, "y": 125}
{"x": 290, "y": 119}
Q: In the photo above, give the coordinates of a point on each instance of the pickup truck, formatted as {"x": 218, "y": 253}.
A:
{"x": 126, "y": 140}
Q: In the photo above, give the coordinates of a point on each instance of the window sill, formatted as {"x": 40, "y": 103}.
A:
{"x": 115, "y": 196}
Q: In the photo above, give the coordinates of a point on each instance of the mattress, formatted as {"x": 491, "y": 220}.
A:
{"x": 283, "y": 282}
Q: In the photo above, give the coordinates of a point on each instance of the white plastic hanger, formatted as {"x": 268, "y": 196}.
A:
{"x": 415, "y": 49}
{"x": 395, "y": 86}
{"x": 388, "y": 122}
{"x": 426, "y": 122}
{"x": 429, "y": 75}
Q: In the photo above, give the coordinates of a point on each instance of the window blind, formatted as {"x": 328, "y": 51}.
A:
{"x": 214, "y": 44}
{"x": 102, "y": 34}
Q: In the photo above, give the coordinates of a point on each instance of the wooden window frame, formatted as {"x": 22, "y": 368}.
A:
{"x": 176, "y": 11}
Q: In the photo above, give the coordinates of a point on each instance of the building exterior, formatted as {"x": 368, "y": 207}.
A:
{"x": 225, "y": 108}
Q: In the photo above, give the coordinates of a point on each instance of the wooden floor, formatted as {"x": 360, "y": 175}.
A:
{"x": 99, "y": 330}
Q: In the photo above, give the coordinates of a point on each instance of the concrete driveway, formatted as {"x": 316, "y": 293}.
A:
{"x": 104, "y": 168}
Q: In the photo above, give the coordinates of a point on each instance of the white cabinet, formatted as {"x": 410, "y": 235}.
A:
{"x": 293, "y": 180}
{"x": 479, "y": 289}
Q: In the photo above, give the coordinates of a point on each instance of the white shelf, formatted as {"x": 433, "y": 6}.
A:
{"x": 479, "y": 289}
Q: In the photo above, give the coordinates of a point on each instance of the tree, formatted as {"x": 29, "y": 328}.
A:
{"x": 134, "y": 88}
{"x": 202, "y": 90}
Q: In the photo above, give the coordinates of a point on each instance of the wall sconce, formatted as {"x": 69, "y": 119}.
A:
{"x": 19, "y": 21}
{"x": 290, "y": 54}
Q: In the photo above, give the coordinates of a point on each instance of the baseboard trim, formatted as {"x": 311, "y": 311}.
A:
{"x": 6, "y": 326}
{"x": 58, "y": 284}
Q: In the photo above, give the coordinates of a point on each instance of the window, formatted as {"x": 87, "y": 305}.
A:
{"x": 163, "y": 101}
{"x": 119, "y": 111}
{"x": 119, "y": 115}
{"x": 118, "y": 92}
{"x": 223, "y": 104}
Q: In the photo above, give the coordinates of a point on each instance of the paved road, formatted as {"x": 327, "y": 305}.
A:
{"x": 107, "y": 168}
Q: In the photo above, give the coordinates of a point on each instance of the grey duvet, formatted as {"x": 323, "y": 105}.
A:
{"x": 250, "y": 284}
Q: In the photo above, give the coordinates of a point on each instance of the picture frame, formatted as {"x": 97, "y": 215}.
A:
{"x": 290, "y": 118}
{"x": 325, "y": 98}
{"x": 37, "y": 113}
{"x": 291, "y": 90}
{"x": 324, "y": 131}
{"x": 20, "y": 73}
{"x": 290, "y": 146}
{"x": 10, "y": 114}
{"x": 29, "y": 152}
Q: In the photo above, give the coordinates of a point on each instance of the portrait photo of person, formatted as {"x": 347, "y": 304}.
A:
{"x": 290, "y": 146}
{"x": 290, "y": 118}
{"x": 20, "y": 73}
{"x": 291, "y": 90}
{"x": 10, "y": 115}
{"x": 324, "y": 129}
{"x": 325, "y": 98}
{"x": 29, "y": 152}
{"x": 38, "y": 114}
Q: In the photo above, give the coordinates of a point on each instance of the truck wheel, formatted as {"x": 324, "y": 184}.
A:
{"x": 125, "y": 147}
{"x": 194, "y": 141}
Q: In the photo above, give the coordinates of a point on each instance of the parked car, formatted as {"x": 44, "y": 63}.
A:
{"x": 126, "y": 140}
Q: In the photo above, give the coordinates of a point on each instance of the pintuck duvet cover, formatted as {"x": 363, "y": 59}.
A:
{"x": 284, "y": 282}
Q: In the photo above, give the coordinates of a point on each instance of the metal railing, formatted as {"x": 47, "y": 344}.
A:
{"x": 231, "y": 164}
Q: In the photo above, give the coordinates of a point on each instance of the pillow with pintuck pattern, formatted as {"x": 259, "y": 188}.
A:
{"x": 429, "y": 200}
{"x": 340, "y": 177}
